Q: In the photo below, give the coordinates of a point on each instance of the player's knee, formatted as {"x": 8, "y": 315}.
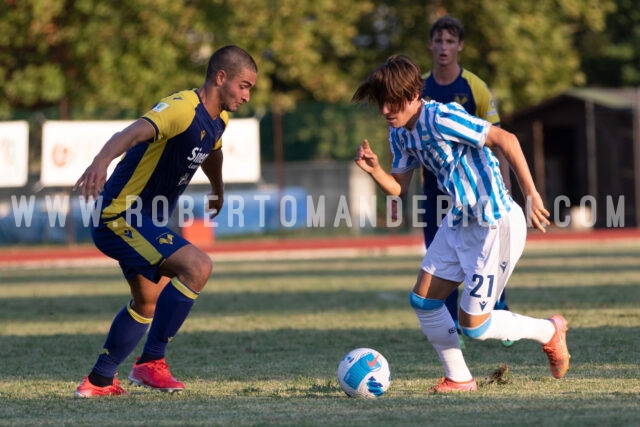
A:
{"x": 424, "y": 304}
{"x": 197, "y": 271}
{"x": 201, "y": 266}
{"x": 142, "y": 307}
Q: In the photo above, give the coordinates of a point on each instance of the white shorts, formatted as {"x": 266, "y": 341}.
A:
{"x": 482, "y": 256}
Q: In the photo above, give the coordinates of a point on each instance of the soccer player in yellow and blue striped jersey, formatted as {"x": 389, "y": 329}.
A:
{"x": 162, "y": 151}
{"x": 449, "y": 82}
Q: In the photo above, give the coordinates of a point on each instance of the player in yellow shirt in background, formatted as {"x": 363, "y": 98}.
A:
{"x": 449, "y": 82}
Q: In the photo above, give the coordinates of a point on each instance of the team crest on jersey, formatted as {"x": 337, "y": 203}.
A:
{"x": 165, "y": 239}
{"x": 461, "y": 99}
{"x": 160, "y": 106}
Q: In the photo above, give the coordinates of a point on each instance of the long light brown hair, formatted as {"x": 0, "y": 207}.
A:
{"x": 395, "y": 82}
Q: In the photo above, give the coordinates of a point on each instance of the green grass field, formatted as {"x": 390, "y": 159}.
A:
{"x": 264, "y": 340}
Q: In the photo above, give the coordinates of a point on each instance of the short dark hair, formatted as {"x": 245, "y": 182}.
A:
{"x": 449, "y": 23}
{"x": 231, "y": 59}
{"x": 394, "y": 82}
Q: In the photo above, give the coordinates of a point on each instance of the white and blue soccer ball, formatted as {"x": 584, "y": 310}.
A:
{"x": 364, "y": 373}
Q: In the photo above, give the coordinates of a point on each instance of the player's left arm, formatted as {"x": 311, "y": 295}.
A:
{"x": 510, "y": 147}
{"x": 212, "y": 168}
{"x": 505, "y": 169}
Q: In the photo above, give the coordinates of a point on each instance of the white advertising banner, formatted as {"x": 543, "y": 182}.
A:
{"x": 14, "y": 153}
{"x": 68, "y": 147}
{"x": 241, "y": 152}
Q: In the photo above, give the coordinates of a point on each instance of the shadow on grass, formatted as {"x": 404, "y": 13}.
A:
{"x": 78, "y": 308}
{"x": 286, "y": 354}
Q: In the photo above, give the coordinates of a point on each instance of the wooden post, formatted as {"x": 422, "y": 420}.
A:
{"x": 538, "y": 159}
{"x": 592, "y": 153}
{"x": 636, "y": 155}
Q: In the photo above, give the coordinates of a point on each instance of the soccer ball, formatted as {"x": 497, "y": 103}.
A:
{"x": 364, "y": 373}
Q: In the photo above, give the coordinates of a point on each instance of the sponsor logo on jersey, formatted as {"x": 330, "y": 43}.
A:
{"x": 184, "y": 179}
{"x": 483, "y": 304}
{"x": 196, "y": 157}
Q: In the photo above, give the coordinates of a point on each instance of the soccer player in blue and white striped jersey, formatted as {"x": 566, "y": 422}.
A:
{"x": 482, "y": 236}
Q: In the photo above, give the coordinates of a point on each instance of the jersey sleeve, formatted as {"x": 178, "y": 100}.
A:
{"x": 225, "y": 118}
{"x": 486, "y": 107}
{"x": 454, "y": 124}
{"x": 170, "y": 117}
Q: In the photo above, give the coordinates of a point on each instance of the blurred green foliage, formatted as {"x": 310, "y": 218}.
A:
{"x": 91, "y": 59}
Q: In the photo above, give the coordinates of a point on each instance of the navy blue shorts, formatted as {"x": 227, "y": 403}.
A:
{"x": 140, "y": 248}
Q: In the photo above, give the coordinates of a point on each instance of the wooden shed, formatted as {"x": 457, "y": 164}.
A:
{"x": 583, "y": 148}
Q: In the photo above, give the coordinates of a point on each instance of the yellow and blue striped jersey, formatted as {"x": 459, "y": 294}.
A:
{"x": 158, "y": 171}
{"x": 468, "y": 90}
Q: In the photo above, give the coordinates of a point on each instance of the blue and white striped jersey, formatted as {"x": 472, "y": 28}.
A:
{"x": 449, "y": 142}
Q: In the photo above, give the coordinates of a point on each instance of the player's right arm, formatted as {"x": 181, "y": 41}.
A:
{"x": 396, "y": 184}
{"x": 95, "y": 176}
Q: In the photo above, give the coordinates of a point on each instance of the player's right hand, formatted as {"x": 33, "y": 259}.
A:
{"x": 91, "y": 181}
{"x": 365, "y": 158}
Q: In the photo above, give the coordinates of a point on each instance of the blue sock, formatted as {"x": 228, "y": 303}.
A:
{"x": 452, "y": 306}
{"x": 501, "y": 304}
{"x": 172, "y": 308}
{"x": 127, "y": 329}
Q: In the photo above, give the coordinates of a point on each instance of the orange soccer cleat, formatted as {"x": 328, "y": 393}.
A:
{"x": 86, "y": 389}
{"x": 556, "y": 349}
{"x": 445, "y": 385}
{"x": 155, "y": 374}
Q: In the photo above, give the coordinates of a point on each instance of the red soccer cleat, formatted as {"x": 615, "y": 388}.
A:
{"x": 556, "y": 349}
{"x": 86, "y": 389}
{"x": 155, "y": 374}
{"x": 445, "y": 385}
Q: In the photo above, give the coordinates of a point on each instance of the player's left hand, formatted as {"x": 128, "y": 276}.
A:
{"x": 214, "y": 205}
{"x": 537, "y": 212}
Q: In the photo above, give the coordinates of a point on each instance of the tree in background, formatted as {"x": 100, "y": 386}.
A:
{"x": 610, "y": 56}
{"x": 94, "y": 59}
{"x": 524, "y": 50}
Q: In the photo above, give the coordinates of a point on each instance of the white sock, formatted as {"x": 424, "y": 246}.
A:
{"x": 437, "y": 325}
{"x": 505, "y": 325}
